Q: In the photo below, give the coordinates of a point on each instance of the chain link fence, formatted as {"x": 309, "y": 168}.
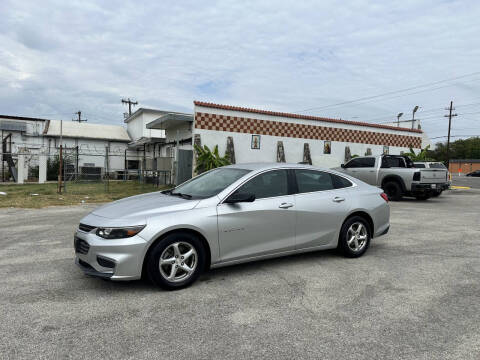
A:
{"x": 82, "y": 170}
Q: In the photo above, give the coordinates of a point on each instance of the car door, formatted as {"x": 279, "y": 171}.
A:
{"x": 264, "y": 226}
{"x": 322, "y": 203}
{"x": 354, "y": 168}
{"x": 366, "y": 170}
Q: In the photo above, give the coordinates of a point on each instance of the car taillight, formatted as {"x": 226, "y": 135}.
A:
{"x": 416, "y": 176}
{"x": 384, "y": 196}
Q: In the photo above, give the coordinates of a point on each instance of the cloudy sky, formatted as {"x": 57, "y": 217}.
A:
{"x": 312, "y": 57}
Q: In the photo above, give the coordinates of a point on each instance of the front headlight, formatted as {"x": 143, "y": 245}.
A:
{"x": 119, "y": 233}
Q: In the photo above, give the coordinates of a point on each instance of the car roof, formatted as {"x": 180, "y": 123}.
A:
{"x": 266, "y": 166}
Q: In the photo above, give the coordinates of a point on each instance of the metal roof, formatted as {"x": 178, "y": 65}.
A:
{"x": 11, "y": 117}
{"x": 73, "y": 129}
{"x": 169, "y": 120}
{"x": 155, "y": 111}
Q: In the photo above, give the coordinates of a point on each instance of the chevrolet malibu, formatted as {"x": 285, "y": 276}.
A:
{"x": 230, "y": 215}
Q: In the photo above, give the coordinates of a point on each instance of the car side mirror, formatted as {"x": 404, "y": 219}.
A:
{"x": 240, "y": 197}
{"x": 343, "y": 166}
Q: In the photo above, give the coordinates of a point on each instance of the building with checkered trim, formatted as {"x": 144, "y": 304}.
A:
{"x": 252, "y": 135}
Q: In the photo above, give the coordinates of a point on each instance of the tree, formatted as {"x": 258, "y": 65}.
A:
{"x": 423, "y": 155}
{"x": 207, "y": 159}
{"x": 459, "y": 149}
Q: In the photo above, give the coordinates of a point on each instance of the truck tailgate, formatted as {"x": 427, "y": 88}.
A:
{"x": 433, "y": 176}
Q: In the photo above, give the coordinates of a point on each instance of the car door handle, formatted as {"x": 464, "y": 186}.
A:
{"x": 285, "y": 205}
{"x": 338, "y": 199}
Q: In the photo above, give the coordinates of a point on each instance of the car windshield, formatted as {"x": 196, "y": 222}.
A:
{"x": 209, "y": 184}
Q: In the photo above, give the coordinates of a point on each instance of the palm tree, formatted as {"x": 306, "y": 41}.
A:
{"x": 207, "y": 159}
{"x": 423, "y": 155}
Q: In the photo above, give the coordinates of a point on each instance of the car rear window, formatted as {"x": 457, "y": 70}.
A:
{"x": 313, "y": 180}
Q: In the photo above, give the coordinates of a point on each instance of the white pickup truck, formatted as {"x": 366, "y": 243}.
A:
{"x": 396, "y": 175}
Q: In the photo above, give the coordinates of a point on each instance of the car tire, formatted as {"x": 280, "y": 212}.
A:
{"x": 350, "y": 236}
{"x": 393, "y": 190}
{"x": 422, "y": 197}
{"x": 169, "y": 260}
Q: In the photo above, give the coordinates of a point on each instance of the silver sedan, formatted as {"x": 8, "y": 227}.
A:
{"x": 227, "y": 216}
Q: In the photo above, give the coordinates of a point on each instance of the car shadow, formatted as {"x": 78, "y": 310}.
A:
{"x": 253, "y": 266}
{"x": 145, "y": 286}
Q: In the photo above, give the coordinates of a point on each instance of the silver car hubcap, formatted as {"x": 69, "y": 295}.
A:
{"x": 357, "y": 236}
{"x": 178, "y": 261}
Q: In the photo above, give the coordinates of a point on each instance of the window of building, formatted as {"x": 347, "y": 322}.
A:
{"x": 133, "y": 164}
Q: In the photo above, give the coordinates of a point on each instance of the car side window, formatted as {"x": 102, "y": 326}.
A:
{"x": 390, "y": 161}
{"x": 339, "y": 182}
{"x": 418, "y": 166}
{"x": 361, "y": 163}
{"x": 354, "y": 163}
{"x": 311, "y": 180}
{"x": 268, "y": 184}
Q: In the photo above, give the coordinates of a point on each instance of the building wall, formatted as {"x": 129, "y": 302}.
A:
{"x": 92, "y": 151}
{"x": 215, "y": 125}
{"x": 463, "y": 167}
{"x": 137, "y": 127}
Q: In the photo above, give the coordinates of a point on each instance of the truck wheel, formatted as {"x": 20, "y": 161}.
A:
{"x": 437, "y": 193}
{"x": 393, "y": 190}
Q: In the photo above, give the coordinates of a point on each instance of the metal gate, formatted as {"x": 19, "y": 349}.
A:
{"x": 184, "y": 166}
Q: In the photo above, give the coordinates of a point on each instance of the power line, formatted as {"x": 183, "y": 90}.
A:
{"x": 444, "y": 136}
{"x": 390, "y": 93}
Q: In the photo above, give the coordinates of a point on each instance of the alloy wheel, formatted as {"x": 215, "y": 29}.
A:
{"x": 357, "y": 236}
{"x": 178, "y": 261}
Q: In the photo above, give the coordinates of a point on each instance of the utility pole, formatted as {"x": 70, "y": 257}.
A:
{"x": 79, "y": 114}
{"x": 130, "y": 103}
{"x": 450, "y": 115}
{"x": 61, "y": 159}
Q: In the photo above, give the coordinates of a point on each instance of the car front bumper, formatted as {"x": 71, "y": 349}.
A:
{"x": 119, "y": 259}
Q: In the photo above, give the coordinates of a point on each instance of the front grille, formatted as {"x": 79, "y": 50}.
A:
{"x": 86, "y": 228}
{"x": 81, "y": 246}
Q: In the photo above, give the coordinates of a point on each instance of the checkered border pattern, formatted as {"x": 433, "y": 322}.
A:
{"x": 288, "y": 129}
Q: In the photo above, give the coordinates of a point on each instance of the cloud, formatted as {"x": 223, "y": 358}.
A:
{"x": 60, "y": 57}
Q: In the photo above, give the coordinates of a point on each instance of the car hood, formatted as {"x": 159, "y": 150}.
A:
{"x": 144, "y": 206}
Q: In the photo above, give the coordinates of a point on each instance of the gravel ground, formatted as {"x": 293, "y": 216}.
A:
{"x": 414, "y": 295}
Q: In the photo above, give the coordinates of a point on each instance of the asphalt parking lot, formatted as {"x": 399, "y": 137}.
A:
{"x": 414, "y": 295}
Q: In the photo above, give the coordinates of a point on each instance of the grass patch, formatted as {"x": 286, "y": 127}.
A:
{"x": 21, "y": 195}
